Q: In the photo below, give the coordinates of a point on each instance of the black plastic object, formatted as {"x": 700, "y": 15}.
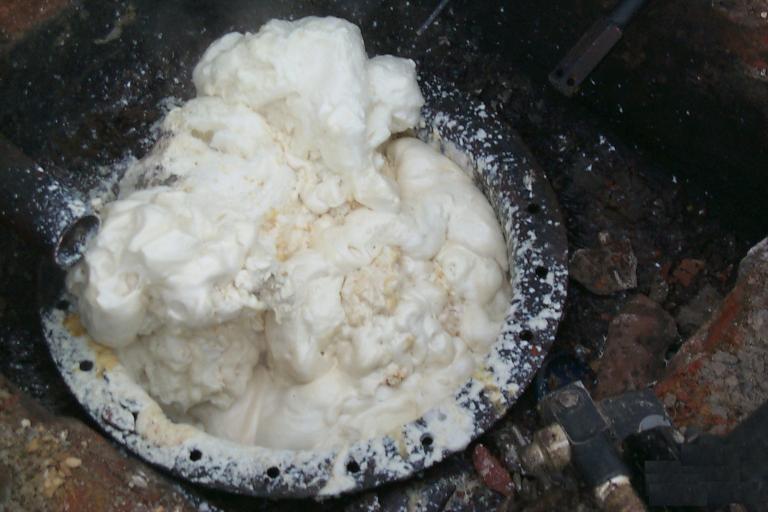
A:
{"x": 714, "y": 471}
{"x": 42, "y": 209}
{"x": 588, "y": 431}
{"x": 634, "y": 412}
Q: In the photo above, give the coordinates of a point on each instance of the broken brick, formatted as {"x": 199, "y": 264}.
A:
{"x": 493, "y": 474}
{"x": 637, "y": 340}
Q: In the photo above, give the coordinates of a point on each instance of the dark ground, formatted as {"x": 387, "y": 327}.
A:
{"x": 623, "y": 157}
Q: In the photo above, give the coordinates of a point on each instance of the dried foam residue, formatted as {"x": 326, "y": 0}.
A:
{"x": 479, "y": 143}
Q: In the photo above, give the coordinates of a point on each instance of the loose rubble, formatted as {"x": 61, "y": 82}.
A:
{"x": 56, "y": 463}
{"x": 608, "y": 269}
{"x": 638, "y": 338}
{"x": 718, "y": 376}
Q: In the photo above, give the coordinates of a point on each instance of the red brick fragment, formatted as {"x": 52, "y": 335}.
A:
{"x": 494, "y": 475}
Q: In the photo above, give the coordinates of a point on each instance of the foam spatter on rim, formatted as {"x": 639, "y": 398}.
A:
{"x": 522, "y": 200}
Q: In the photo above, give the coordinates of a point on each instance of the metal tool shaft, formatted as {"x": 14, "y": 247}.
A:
{"x": 41, "y": 209}
{"x": 593, "y": 47}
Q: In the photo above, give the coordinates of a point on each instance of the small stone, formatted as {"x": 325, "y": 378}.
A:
{"x": 53, "y": 480}
{"x": 73, "y": 462}
{"x": 718, "y": 410}
{"x": 139, "y": 481}
{"x": 25, "y": 423}
{"x": 605, "y": 270}
{"x": 33, "y": 445}
{"x": 505, "y": 440}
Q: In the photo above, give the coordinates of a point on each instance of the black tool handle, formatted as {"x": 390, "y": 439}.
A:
{"x": 41, "y": 209}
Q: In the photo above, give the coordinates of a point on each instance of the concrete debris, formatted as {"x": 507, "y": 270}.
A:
{"x": 718, "y": 376}
{"x": 608, "y": 269}
{"x": 638, "y": 338}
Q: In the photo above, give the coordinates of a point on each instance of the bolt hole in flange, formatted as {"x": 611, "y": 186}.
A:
{"x": 195, "y": 455}
{"x": 526, "y": 335}
{"x": 86, "y": 366}
{"x": 533, "y": 208}
{"x": 353, "y": 467}
{"x": 542, "y": 272}
{"x": 273, "y": 472}
{"x": 426, "y": 441}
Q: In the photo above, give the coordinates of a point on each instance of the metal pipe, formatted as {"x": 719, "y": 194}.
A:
{"x": 42, "y": 210}
{"x": 432, "y": 17}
